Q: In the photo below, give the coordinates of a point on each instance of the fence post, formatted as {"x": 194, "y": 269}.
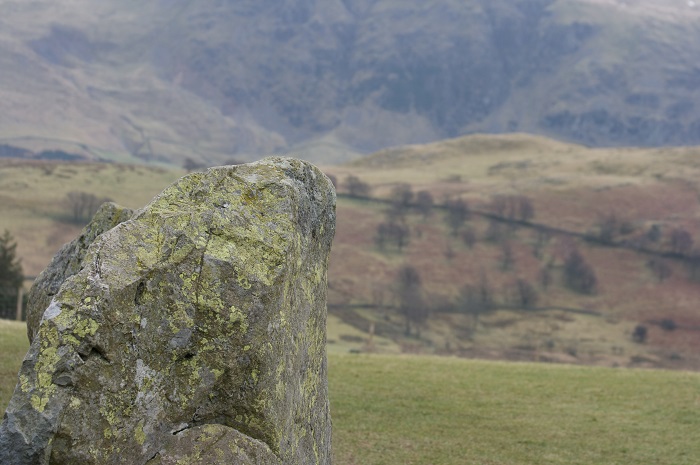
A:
{"x": 20, "y": 298}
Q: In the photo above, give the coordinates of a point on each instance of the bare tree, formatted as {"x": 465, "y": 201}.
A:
{"x": 83, "y": 205}
{"x": 660, "y": 268}
{"x": 379, "y": 295}
{"x": 495, "y": 232}
{"x": 356, "y": 187}
{"x": 402, "y": 195}
{"x": 692, "y": 264}
{"x": 392, "y": 231}
{"x": 640, "y": 334}
{"x": 524, "y": 294}
{"x": 542, "y": 238}
{"x": 545, "y": 276}
{"x": 424, "y": 203}
{"x": 608, "y": 226}
{"x": 410, "y": 298}
{"x": 457, "y": 214}
{"x": 579, "y": 275}
{"x": 681, "y": 241}
{"x": 469, "y": 237}
{"x": 513, "y": 207}
{"x": 334, "y": 179}
{"x": 507, "y": 257}
{"x": 476, "y": 300}
{"x": 526, "y": 209}
{"x": 654, "y": 233}
{"x": 191, "y": 165}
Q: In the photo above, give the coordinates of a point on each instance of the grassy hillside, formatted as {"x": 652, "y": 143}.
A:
{"x": 444, "y": 411}
{"x": 650, "y": 194}
{"x": 35, "y": 207}
{"x": 574, "y": 191}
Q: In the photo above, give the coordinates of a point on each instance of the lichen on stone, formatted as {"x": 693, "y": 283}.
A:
{"x": 199, "y": 318}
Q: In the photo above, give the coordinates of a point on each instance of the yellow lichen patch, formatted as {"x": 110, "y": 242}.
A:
{"x": 237, "y": 316}
{"x": 39, "y": 403}
{"x": 86, "y": 327}
{"x": 45, "y": 367}
{"x": 139, "y": 434}
{"x": 24, "y": 383}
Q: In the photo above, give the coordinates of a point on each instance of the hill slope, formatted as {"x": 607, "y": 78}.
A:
{"x": 162, "y": 81}
{"x": 631, "y": 215}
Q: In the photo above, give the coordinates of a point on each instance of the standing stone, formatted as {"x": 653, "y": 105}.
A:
{"x": 68, "y": 261}
{"x": 193, "y": 333}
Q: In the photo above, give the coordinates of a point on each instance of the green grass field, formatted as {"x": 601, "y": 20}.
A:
{"x": 438, "y": 411}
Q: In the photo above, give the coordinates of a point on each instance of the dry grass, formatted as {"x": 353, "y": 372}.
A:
{"x": 570, "y": 186}
{"x": 34, "y": 208}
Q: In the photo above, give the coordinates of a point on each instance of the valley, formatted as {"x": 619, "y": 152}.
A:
{"x": 500, "y": 284}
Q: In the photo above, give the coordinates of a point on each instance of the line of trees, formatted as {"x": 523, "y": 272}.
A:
{"x": 505, "y": 214}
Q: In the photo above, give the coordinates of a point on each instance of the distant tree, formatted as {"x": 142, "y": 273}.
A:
{"x": 469, "y": 237}
{"x": 424, "y": 203}
{"x": 611, "y": 226}
{"x": 654, "y": 233}
{"x": 579, "y": 275}
{"x": 499, "y": 205}
{"x": 379, "y": 294}
{"x": 668, "y": 324}
{"x": 381, "y": 236}
{"x": 640, "y": 334}
{"x": 545, "y": 276}
{"x": 11, "y": 277}
{"x": 681, "y": 241}
{"x": 507, "y": 258}
{"x": 526, "y": 209}
{"x": 410, "y": 298}
{"x": 542, "y": 238}
{"x": 356, "y": 187}
{"x": 83, "y": 205}
{"x": 334, "y": 179}
{"x": 476, "y": 300}
{"x": 394, "y": 232}
{"x": 449, "y": 252}
{"x": 692, "y": 265}
{"x": 190, "y": 165}
{"x": 513, "y": 207}
{"x": 660, "y": 268}
{"x": 402, "y": 195}
{"x": 457, "y": 214}
{"x": 524, "y": 294}
{"x": 608, "y": 227}
{"x": 495, "y": 232}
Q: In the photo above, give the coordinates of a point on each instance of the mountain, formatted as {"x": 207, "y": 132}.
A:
{"x": 329, "y": 81}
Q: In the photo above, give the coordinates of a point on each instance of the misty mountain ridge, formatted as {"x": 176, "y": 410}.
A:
{"x": 330, "y": 81}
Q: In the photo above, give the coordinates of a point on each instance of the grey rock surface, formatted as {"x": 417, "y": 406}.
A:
{"x": 200, "y": 320}
{"x": 68, "y": 261}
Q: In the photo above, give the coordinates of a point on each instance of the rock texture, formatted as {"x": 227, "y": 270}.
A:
{"x": 68, "y": 262}
{"x": 192, "y": 333}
